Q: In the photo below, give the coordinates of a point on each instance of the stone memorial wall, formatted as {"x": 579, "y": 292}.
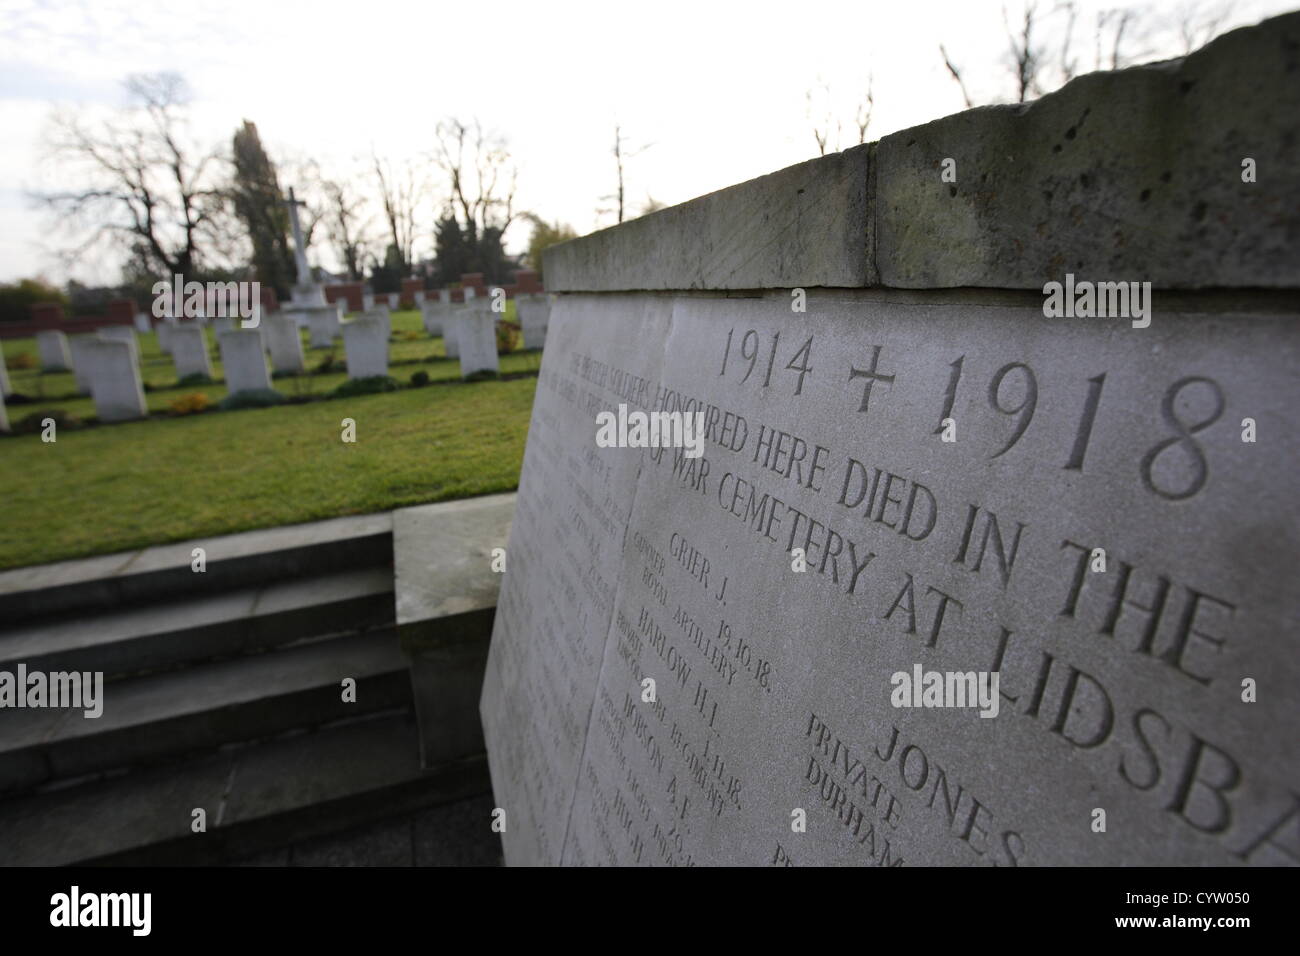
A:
{"x": 951, "y": 567}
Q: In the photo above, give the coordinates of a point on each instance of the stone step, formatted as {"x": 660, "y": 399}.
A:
{"x": 152, "y": 637}
{"x": 165, "y": 715}
{"x": 164, "y": 572}
{"x": 256, "y": 797}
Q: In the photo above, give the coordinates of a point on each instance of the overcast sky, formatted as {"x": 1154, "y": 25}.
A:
{"x": 715, "y": 92}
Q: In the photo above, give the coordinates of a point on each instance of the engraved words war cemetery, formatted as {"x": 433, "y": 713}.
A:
{"x": 931, "y": 502}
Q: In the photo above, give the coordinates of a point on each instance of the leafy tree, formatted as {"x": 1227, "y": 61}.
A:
{"x": 387, "y": 276}
{"x": 544, "y": 235}
{"x": 255, "y": 193}
{"x": 453, "y": 254}
{"x": 17, "y": 298}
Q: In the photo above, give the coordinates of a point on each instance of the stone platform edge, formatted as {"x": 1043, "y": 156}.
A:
{"x": 1130, "y": 175}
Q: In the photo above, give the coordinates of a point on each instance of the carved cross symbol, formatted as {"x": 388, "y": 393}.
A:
{"x": 871, "y": 375}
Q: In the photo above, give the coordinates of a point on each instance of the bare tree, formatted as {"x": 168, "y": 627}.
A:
{"x": 1043, "y": 47}
{"x": 346, "y": 226}
{"x": 822, "y": 118}
{"x": 862, "y": 115}
{"x": 827, "y": 128}
{"x": 143, "y": 186}
{"x": 1068, "y": 63}
{"x": 401, "y": 190}
{"x": 1197, "y": 25}
{"x": 956, "y": 75}
{"x": 622, "y": 153}
{"x": 481, "y": 176}
{"x": 1024, "y": 55}
{"x": 618, "y": 162}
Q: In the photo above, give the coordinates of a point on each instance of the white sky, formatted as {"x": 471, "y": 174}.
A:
{"x": 717, "y": 89}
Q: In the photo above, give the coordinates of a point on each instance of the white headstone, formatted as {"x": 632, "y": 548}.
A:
{"x": 78, "y": 348}
{"x": 114, "y": 380}
{"x": 418, "y": 296}
{"x": 53, "y": 347}
{"x": 164, "y": 333}
{"x": 477, "y": 334}
{"x": 142, "y": 323}
{"x": 190, "y": 350}
{"x": 432, "y": 312}
{"x": 243, "y": 361}
{"x": 284, "y": 343}
{"x": 534, "y": 310}
{"x": 323, "y": 325}
{"x": 122, "y": 333}
{"x": 385, "y": 317}
{"x": 223, "y": 323}
{"x": 5, "y": 388}
{"x": 4, "y": 417}
{"x": 366, "y": 347}
{"x": 451, "y": 331}
{"x": 367, "y": 301}
{"x": 451, "y": 323}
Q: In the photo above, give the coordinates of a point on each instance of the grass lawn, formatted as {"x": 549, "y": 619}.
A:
{"x": 410, "y": 351}
{"x": 120, "y": 487}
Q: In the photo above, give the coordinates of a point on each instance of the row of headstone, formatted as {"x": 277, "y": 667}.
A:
{"x": 468, "y": 330}
{"x": 369, "y": 300}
